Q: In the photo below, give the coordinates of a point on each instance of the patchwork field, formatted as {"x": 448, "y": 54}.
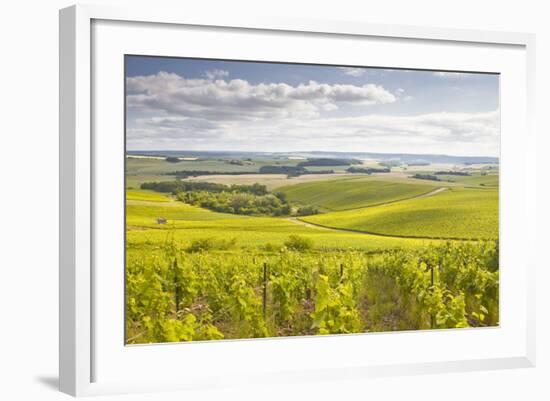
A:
{"x": 271, "y": 181}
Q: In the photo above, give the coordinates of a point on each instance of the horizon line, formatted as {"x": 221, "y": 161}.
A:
{"x": 306, "y": 151}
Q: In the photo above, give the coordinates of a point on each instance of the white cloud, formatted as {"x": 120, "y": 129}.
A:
{"x": 445, "y": 133}
{"x": 401, "y": 95}
{"x": 354, "y": 72}
{"x": 214, "y": 74}
{"x": 446, "y": 74}
{"x": 168, "y": 111}
{"x": 237, "y": 99}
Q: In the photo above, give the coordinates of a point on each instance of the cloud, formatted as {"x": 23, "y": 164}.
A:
{"x": 401, "y": 95}
{"x": 237, "y": 99}
{"x": 214, "y": 74}
{"x": 354, "y": 72}
{"x": 435, "y": 127}
{"x": 445, "y": 133}
{"x": 169, "y": 111}
{"x": 446, "y": 74}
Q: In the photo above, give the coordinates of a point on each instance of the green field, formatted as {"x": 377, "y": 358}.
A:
{"x": 189, "y": 223}
{"x": 386, "y": 252}
{"x": 489, "y": 180}
{"x": 142, "y": 195}
{"x": 352, "y": 193}
{"x": 452, "y": 213}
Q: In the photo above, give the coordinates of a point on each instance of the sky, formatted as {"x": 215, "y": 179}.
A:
{"x": 198, "y": 104}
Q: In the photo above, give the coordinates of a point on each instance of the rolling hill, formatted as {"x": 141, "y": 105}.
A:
{"x": 352, "y": 193}
{"x": 456, "y": 213}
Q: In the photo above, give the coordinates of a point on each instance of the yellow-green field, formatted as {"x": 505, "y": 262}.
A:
{"x": 352, "y": 192}
{"x": 452, "y": 213}
{"x": 489, "y": 180}
{"x": 386, "y": 252}
{"x": 186, "y": 224}
{"x": 143, "y": 195}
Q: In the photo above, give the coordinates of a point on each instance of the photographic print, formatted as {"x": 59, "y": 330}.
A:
{"x": 270, "y": 199}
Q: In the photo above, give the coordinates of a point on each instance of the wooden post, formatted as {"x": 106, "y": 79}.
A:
{"x": 264, "y": 290}
{"x": 341, "y": 271}
{"x": 177, "y": 285}
{"x": 432, "y": 317}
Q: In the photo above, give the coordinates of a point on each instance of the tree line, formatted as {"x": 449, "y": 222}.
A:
{"x": 175, "y": 187}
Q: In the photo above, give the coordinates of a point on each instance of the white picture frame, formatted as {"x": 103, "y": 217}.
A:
{"x": 79, "y": 152}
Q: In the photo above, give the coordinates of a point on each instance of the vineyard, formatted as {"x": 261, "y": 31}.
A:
{"x": 352, "y": 193}
{"x": 453, "y": 213}
{"x": 198, "y": 292}
{"x": 211, "y": 258}
{"x": 276, "y": 200}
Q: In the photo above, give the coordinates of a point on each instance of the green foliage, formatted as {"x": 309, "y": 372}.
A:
{"x": 430, "y": 177}
{"x": 209, "y": 244}
{"x": 176, "y": 295}
{"x": 307, "y": 210}
{"x": 328, "y": 162}
{"x": 175, "y": 187}
{"x": 298, "y": 243}
{"x": 463, "y": 287}
{"x": 291, "y": 171}
{"x": 367, "y": 170}
{"x": 453, "y": 172}
{"x": 237, "y": 202}
{"x": 335, "y": 308}
{"x": 236, "y": 199}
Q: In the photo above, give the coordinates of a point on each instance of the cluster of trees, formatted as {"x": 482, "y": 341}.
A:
{"x": 196, "y": 173}
{"x": 173, "y": 159}
{"x": 328, "y": 162}
{"x": 235, "y": 202}
{"x": 367, "y": 170}
{"x": 462, "y": 173}
{"x": 307, "y": 210}
{"x": 426, "y": 177}
{"x": 252, "y": 199}
{"x": 176, "y": 187}
{"x": 291, "y": 171}
{"x": 238, "y": 162}
{"x": 390, "y": 163}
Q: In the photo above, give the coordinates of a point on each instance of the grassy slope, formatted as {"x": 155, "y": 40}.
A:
{"x": 490, "y": 180}
{"x": 454, "y": 213}
{"x": 187, "y": 223}
{"x": 352, "y": 193}
{"x": 141, "y": 195}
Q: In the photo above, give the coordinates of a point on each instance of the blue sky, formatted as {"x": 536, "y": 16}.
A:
{"x": 178, "y": 104}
